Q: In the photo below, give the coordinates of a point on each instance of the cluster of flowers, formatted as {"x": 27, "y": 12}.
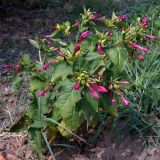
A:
{"x": 92, "y": 86}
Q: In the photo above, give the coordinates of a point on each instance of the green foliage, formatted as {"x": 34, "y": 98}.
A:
{"x": 81, "y": 77}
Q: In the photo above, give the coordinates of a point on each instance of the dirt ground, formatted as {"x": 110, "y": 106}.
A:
{"x": 17, "y": 26}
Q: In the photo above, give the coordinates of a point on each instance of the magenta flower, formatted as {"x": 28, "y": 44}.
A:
{"x": 49, "y": 43}
{"x": 93, "y": 92}
{"x": 100, "y": 51}
{"x": 8, "y": 67}
{"x": 124, "y": 100}
{"x": 48, "y": 36}
{"x": 151, "y": 36}
{"x": 19, "y": 70}
{"x": 76, "y": 86}
{"x": 122, "y": 17}
{"x": 77, "y": 48}
{"x": 99, "y": 88}
{"x": 93, "y": 18}
{"x": 122, "y": 82}
{"x": 113, "y": 100}
{"x": 139, "y": 56}
{"x": 143, "y": 22}
{"x": 84, "y": 36}
{"x": 76, "y": 24}
{"x": 45, "y": 66}
{"x": 135, "y": 46}
{"x": 43, "y": 92}
{"x": 60, "y": 52}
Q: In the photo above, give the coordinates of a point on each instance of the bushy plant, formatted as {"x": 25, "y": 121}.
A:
{"x": 79, "y": 74}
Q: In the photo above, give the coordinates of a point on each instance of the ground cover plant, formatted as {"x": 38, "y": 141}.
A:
{"x": 79, "y": 78}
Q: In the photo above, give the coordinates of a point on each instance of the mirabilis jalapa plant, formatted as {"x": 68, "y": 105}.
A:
{"x": 80, "y": 72}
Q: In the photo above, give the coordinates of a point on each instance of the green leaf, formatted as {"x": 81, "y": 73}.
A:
{"x": 67, "y": 99}
{"x": 34, "y": 43}
{"x": 36, "y": 84}
{"x": 119, "y": 57}
{"x": 26, "y": 59}
{"x": 88, "y": 105}
{"x": 16, "y": 80}
{"x": 62, "y": 70}
{"x": 35, "y": 136}
{"x": 58, "y": 42}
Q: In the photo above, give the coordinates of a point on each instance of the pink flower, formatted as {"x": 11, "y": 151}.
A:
{"x": 113, "y": 100}
{"x": 93, "y": 18}
{"x": 60, "y": 52}
{"x": 122, "y": 82}
{"x": 76, "y": 86}
{"x": 99, "y": 88}
{"x": 135, "y": 46}
{"x": 100, "y": 51}
{"x": 45, "y": 66}
{"x": 93, "y": 92}
{"x": 123, "y": 99}
{"x": 49, "y": 43}
{"x": 19, "y": 70}
{"x": 84, "y": 36}
{"x": 76, "y": 24}
{"x": 111, "y": 97}
{"x": 43, "y": 92}
{"x": 77, "y": 48}
{"x": 143, "y": 22}
{"x": 8, "y": 67}
{"x": 53, "y": 28}
{"x": 48, "y": 36}
{"x": 151, "y": 36}
{"x": 140, "y": 57}
{"x": 122, "y": 17}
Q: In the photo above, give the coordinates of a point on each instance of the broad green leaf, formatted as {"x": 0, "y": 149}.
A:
{"x": 119, "y": 57}
{"x": 37, "y": 84}
{"x": 88, "y": 105}
{"x": 62, "y": 70}
{"x": 68, "y": 98}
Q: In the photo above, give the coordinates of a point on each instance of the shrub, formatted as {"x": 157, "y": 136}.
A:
{"x": 80, "y": 74}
